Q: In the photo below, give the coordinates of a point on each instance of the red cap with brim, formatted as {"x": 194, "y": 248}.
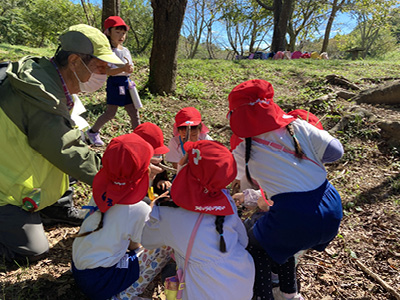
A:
{"x": 152, "y": 134}
{"x": 253, "y": 111}
{"x": 189, "y": 116}
{"x": 198, "y": 185}
{"x": 124, "y": 177}
{"x": 115, "y": 21}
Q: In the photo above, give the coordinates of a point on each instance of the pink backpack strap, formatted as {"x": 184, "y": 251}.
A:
{"x": 181, "y": 273}
{"x": 284, "y": 149}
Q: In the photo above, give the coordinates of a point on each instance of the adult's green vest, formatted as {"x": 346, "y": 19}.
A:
{"x": 40, "y": 142}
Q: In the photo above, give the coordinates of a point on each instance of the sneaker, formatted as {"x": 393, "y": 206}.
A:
{"x": 94, "y": 138}
{"x": 66, "y": 215}
{"x": 278, "y": 295}
{"x": 63, "y": 211}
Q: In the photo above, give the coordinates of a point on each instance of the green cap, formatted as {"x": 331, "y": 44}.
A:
{"x": 86, "y": 39}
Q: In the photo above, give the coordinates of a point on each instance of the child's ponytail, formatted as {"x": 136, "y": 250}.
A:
{"x": 100, "y": 226}
{"x": 219, "y": 226}
{"x": 297, "y": 147}
{"x": 247, "y": 158}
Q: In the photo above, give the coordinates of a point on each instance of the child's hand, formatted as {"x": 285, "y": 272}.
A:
{"x": 154, "y": 170}
{"x": 239, "y": 198}
{"x": 164, "y": 184}
{"x": 128, "y": 68}
{"x": 262, "y": 204}
{"x": 184, "y": 160}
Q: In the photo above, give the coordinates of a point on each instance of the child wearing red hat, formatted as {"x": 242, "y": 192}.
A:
{"x": 152, "y": 134}
{"x": 118, "y": 82}
{"x": 107, "y": 258}
{"x": 219, "y": 267}
{"x": 187, "y": 126}
{"x": 284, "y": 155}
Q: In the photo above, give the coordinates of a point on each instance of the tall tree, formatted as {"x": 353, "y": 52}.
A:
{"x": 110, "y": 8}
{"x": 139, "y": 16}
{"x": 337, "y": 5}
{"x": 372, "y": 17}
{"x": 167, "y": 22}
{"x": 282, "y": 13}
{"x": 306, "y": 15}
{"x": 90, "y": 16}
{"x": 194, "y": 24}
{"x": 246, "y": 25}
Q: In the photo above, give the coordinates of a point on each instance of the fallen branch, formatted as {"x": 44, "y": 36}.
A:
{"x": 172, "y": 170}
{"x": 378, "y": 279}
{"x": 341, "y": 81}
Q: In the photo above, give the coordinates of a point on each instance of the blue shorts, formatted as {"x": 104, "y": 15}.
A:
{"x": 299, "y": 221}
{"x": 118, "y": 91}
{"x": 103, "y": 283}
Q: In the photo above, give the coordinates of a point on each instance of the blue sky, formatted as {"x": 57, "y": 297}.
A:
{"x": 343, "y": 24}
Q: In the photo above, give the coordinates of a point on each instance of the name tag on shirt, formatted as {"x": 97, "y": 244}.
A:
{"x": 123, "y": 262}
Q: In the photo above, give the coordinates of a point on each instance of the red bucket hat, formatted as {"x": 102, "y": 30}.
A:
{"x": 307, "y": 116}
{"x": 152, "y": 134}
{"x": 189, "y": 116}
{"x": 114, "y": 21}
{"x": 124, "y": 177}
{"x": 252, "y": 110}
{"x": 199, "y": 185}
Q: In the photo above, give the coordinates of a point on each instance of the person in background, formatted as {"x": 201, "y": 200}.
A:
{"x": 107, "y": 258}
{"x": 219, "y": 267}
{"x": 187, "y": 127}
{"x": 284, "y": 157}
{"x": 41, "y": 146}
{"x": 118, "y": 81}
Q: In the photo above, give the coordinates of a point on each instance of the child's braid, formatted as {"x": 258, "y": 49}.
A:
{"x": 100, "y": 226}
{"x": 297, "y": 147}
{"x": 219, "y": 226}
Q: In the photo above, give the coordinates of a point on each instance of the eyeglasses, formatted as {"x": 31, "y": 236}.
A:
{"x": 191, "y": 127}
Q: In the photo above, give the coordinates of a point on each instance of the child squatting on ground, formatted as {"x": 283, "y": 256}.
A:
{"x": 284, "y": 156}
{"x": 118, "y": 80}
{"x": 153, "y": 134}
{"x": 187, "y": 127}
{"x": 107, "y": 258}
{"x": 219, "y": 267}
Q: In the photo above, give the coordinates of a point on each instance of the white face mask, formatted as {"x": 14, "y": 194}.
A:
{"x": 95, "y": 81}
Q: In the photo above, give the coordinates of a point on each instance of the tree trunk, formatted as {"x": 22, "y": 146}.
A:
{"x": 110, "y": 8}
{"x": 167, "y": 17}
{"x": 335, "y": 8}
{"x": 282, "y": 13}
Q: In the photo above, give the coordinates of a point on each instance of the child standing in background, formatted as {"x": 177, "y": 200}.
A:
{"x": 118, "y": 81}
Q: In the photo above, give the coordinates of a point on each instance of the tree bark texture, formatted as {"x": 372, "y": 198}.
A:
{"x": 335, "y": 8}
{"x": 282, "y": 13}
{"x": 167, "y": 17}
{"x": 110, "y": 8}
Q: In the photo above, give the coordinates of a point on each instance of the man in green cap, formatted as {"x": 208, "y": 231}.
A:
{"x": 41, "y": 146}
